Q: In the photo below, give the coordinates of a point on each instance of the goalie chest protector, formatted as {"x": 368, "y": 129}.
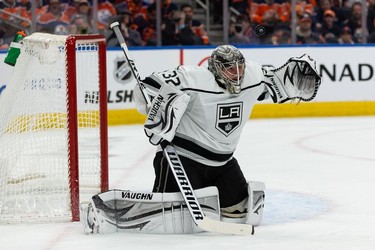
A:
{"x": 214, "y": 118}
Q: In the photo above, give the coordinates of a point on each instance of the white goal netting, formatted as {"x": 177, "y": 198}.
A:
{"x": 38, "y": 136}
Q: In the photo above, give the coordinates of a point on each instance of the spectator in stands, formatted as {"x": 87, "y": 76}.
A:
{"x": 355, "y": 20}
{"x": 270, "y": 23}
{"x": 303, "y": 6}
{"x": 325, "y": 5}
{"x": 132, "y": 36}
{"x": 346, "y": 36}
{"x": 346, "y": 8}
{"x": 84, "y": 10}
{"x": 194, "y": 24}
{"x": 71, "y": 8}
{"x": 281, "y": 36}
{"x": 305, "y": 34}
{"x": 337, "y": 3}
{"x": 242, "y": 33}
{"x": 168, "y": 8}
{"x": 136, "y": 7}
{"x": 176, "y": 32}
{"x": 258, "y": 11}
{"x": 79, "y": 25}
{"x": 106, "y": 11}
{"x": 54, "y": 21}
{"x": 146, "y": 25}
{"x": 171, "y": 28}
{"x": 329, "y": 30}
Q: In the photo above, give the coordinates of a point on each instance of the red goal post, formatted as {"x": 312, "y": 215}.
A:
{"x": 53, "y": 129}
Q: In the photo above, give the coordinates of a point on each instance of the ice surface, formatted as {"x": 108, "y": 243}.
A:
{"x": 320, "y": 178}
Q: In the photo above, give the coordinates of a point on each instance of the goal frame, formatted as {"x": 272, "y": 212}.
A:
{"x": 71, "y": 72}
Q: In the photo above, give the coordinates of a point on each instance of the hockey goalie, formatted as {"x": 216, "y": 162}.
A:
{"x": 201, "y": 111}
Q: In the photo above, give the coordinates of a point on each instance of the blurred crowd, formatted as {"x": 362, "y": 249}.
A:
{"x": 318, "y": 22}
{"x": 137, "y": 20}
{"x": 251, "y": 21}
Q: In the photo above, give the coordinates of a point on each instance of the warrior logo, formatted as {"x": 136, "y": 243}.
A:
{"x": 229, "y": 117}
{"x": 122, "y": 71}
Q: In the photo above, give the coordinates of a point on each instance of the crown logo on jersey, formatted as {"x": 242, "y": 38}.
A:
{"x": 229, "y": 117}
{"x": 228, "y": 127}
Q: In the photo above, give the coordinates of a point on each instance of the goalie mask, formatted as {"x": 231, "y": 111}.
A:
{"x": 228, "y": 66}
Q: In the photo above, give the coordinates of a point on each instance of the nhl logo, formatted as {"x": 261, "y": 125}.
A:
{"x": 229, "y": 117}
{"x": 122, "y": 72}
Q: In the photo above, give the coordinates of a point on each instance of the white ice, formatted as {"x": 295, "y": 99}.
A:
{"x": 320, "y": 178}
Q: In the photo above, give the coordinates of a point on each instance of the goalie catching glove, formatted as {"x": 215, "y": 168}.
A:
{"x": 164, "y": 116}
{"x": 296, "y": 79}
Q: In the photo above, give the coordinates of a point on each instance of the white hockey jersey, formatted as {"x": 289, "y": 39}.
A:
{"x": 210, "y": 129}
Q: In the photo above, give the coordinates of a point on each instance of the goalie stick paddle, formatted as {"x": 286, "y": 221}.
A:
{"x": 199, "y": 218}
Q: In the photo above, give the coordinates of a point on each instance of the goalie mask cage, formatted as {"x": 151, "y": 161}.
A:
{"x": 53, "y": 129}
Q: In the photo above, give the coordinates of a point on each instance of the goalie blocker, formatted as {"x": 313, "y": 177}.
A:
{"x": 166, "y": 111}
{"x": 161, "y": 213}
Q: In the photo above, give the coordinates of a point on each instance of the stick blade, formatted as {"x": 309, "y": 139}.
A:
{"x": 215, "y": 226}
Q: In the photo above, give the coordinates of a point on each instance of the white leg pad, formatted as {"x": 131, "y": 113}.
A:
{"x": 160, "y": 213}
{"x": 255, "y": 202}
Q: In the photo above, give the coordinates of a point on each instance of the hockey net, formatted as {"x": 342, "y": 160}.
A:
{"x": 53, "y": 129}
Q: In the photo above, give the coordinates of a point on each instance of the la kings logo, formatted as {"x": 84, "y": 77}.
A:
{"x": 122, "y": 71}
{"x": 229, "y": 117}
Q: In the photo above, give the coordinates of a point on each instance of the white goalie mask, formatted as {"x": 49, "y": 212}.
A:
{"x": 228, "y": 66}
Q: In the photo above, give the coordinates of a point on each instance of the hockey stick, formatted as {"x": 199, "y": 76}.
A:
{"x": 115, "y": 27}
{"x": 199, "y": 218}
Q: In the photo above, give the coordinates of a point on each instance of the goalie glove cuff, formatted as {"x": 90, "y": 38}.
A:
{"x": 296, "y": 79}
